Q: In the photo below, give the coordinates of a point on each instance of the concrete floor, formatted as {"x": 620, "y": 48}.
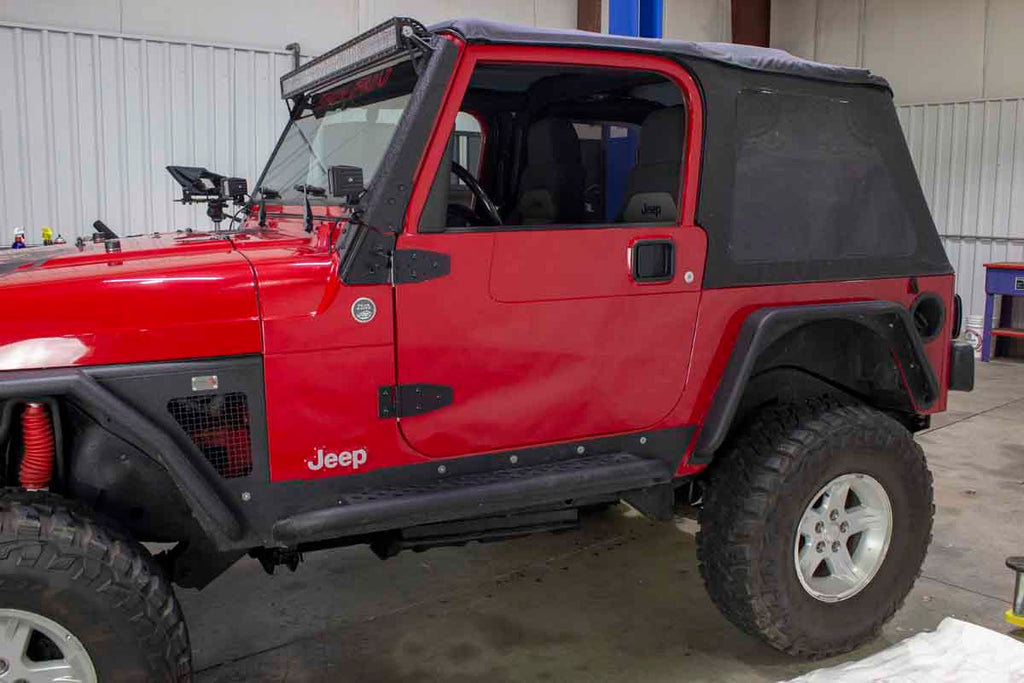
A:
{"x": 621, "y": 600}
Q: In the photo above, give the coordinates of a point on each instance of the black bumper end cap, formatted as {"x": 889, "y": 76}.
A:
{"x": 961, "y": 367}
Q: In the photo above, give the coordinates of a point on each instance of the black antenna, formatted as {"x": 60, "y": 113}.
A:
{"x": 307, "y": 216}
{"x": 263, "y": 212}
{"x": 101, "y": 228}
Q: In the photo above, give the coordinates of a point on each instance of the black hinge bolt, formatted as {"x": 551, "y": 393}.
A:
{"x": 412, "y": 276}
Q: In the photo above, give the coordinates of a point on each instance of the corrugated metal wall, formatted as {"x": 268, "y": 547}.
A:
{"x": 88, "y": 121}
{"x": 970, "y": 156}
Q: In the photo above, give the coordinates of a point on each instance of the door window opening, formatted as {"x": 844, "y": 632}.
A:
{"x": 567, "y": 147}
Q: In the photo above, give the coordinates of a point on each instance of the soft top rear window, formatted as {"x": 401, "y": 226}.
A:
{"x": 811, "y": 184}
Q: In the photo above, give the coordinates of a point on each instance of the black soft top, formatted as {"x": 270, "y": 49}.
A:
{"x": 769, "y": 60}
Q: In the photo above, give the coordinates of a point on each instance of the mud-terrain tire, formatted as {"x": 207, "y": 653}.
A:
{"x": 61, "y": 562}
{"x": 761, "y": 487}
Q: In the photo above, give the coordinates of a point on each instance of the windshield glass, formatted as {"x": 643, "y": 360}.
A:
{"x": 351, "y": 125}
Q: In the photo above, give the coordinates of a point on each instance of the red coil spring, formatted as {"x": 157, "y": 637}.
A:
{"x": 37, "y": 464}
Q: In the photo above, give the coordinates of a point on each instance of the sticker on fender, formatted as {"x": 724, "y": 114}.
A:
{"x": 329, "y": 461}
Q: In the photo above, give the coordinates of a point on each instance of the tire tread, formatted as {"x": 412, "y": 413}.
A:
{"x": 104, "y": 559}
{"x": 746, "y": 483}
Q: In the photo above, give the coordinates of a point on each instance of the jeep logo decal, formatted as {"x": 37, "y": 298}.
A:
{"x": 363, "y": 309}
{"x": 651, "y": 210}
{"x": 329, "y": 461}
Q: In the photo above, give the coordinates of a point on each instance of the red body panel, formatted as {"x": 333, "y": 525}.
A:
{"x": 537, "y": 352}
{"x": 158, "y": 299}
{"x": 582, "y": 263}
{"x": 722, "y": 312}
{"x": 322, "y": 368}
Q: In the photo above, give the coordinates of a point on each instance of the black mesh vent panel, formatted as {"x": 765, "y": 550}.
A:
{"x": 218, "y": 425}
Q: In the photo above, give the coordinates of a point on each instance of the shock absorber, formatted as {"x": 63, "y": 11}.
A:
{"x": 37, "y": 463}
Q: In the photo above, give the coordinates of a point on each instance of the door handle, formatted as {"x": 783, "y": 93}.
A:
{"x": 654, "y": 260}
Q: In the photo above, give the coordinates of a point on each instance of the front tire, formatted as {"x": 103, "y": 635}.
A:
{"x": 82, "y": 597}
{"x": 815, "y": 524}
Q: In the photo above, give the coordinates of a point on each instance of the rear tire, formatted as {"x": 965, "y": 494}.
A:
{"x": 767, "y": 480}
{"x": 60, "y": 566}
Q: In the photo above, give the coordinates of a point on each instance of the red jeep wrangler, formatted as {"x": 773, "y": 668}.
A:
{"x": 489, "y": 277}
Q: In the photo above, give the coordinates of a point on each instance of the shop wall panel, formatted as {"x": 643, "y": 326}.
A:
{"x": 92, "y": 119}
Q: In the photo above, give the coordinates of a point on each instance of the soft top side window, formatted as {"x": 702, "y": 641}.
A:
{"x": 812, "y": 152}
{"x": 567, "y": 147}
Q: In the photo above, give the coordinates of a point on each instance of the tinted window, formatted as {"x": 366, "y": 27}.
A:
{"x": 811, "y": 184}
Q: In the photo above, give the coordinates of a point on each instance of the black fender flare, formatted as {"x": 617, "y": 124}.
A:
{"x": 212, "y": 513}
{"x": 888, "y": 320}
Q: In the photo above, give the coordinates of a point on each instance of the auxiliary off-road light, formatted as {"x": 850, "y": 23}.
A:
{"x": 1015, "y": 615}
{"x": 375, "y": 47}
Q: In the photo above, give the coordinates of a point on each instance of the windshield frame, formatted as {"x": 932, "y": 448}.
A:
{"x": 364, "y": 89}
{"x": 365, "y": 249}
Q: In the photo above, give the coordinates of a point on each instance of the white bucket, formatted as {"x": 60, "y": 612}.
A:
{"x": 975, "y": 332}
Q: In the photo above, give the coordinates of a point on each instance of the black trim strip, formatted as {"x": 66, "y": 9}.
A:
{"x": 476, "y": 495}
{"x": 301, "y": 496}
{"x": 382, "y": 209}
{"x": 308, "y": 499}
{"x": 387, "y": 197}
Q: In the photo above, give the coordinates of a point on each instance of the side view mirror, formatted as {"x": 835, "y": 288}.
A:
{"x": 345, "y": 182}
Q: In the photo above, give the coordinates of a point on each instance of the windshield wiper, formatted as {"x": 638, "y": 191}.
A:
{"x": 268, "y": 193}
{"x": 314, "y": 190}
{"x": 307, "y": 213}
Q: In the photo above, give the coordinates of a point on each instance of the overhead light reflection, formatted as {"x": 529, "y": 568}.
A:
{"x": 45, "y": 352}
{"x": 163, "y": 280}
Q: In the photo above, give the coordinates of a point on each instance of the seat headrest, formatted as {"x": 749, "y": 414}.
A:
{"x": 552, "y": 141}
{"x": 661, "y": 136}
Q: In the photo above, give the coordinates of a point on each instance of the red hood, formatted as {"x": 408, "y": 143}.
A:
{"x": 158, "y": 298}
{"x": 171, "y": 297}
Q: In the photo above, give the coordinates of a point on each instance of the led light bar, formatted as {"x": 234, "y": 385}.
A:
{"x": 388, "y": 40}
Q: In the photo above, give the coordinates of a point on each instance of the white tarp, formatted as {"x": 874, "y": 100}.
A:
{"x": 955, "y": 652}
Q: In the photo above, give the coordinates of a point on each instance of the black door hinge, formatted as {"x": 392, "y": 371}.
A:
{"x": 407, "y": 400}
{"x": 417, "y": 265}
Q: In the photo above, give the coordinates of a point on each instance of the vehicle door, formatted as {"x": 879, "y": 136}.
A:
{"x": 544, "y": 330}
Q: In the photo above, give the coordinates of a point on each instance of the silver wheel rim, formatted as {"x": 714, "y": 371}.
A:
{"x": 25, "y": 656}
{"x": 843, "y": 537}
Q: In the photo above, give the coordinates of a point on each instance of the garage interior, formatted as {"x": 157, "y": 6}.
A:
{"x": 105, "y": 93}
{"x": 620, "y": 601}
